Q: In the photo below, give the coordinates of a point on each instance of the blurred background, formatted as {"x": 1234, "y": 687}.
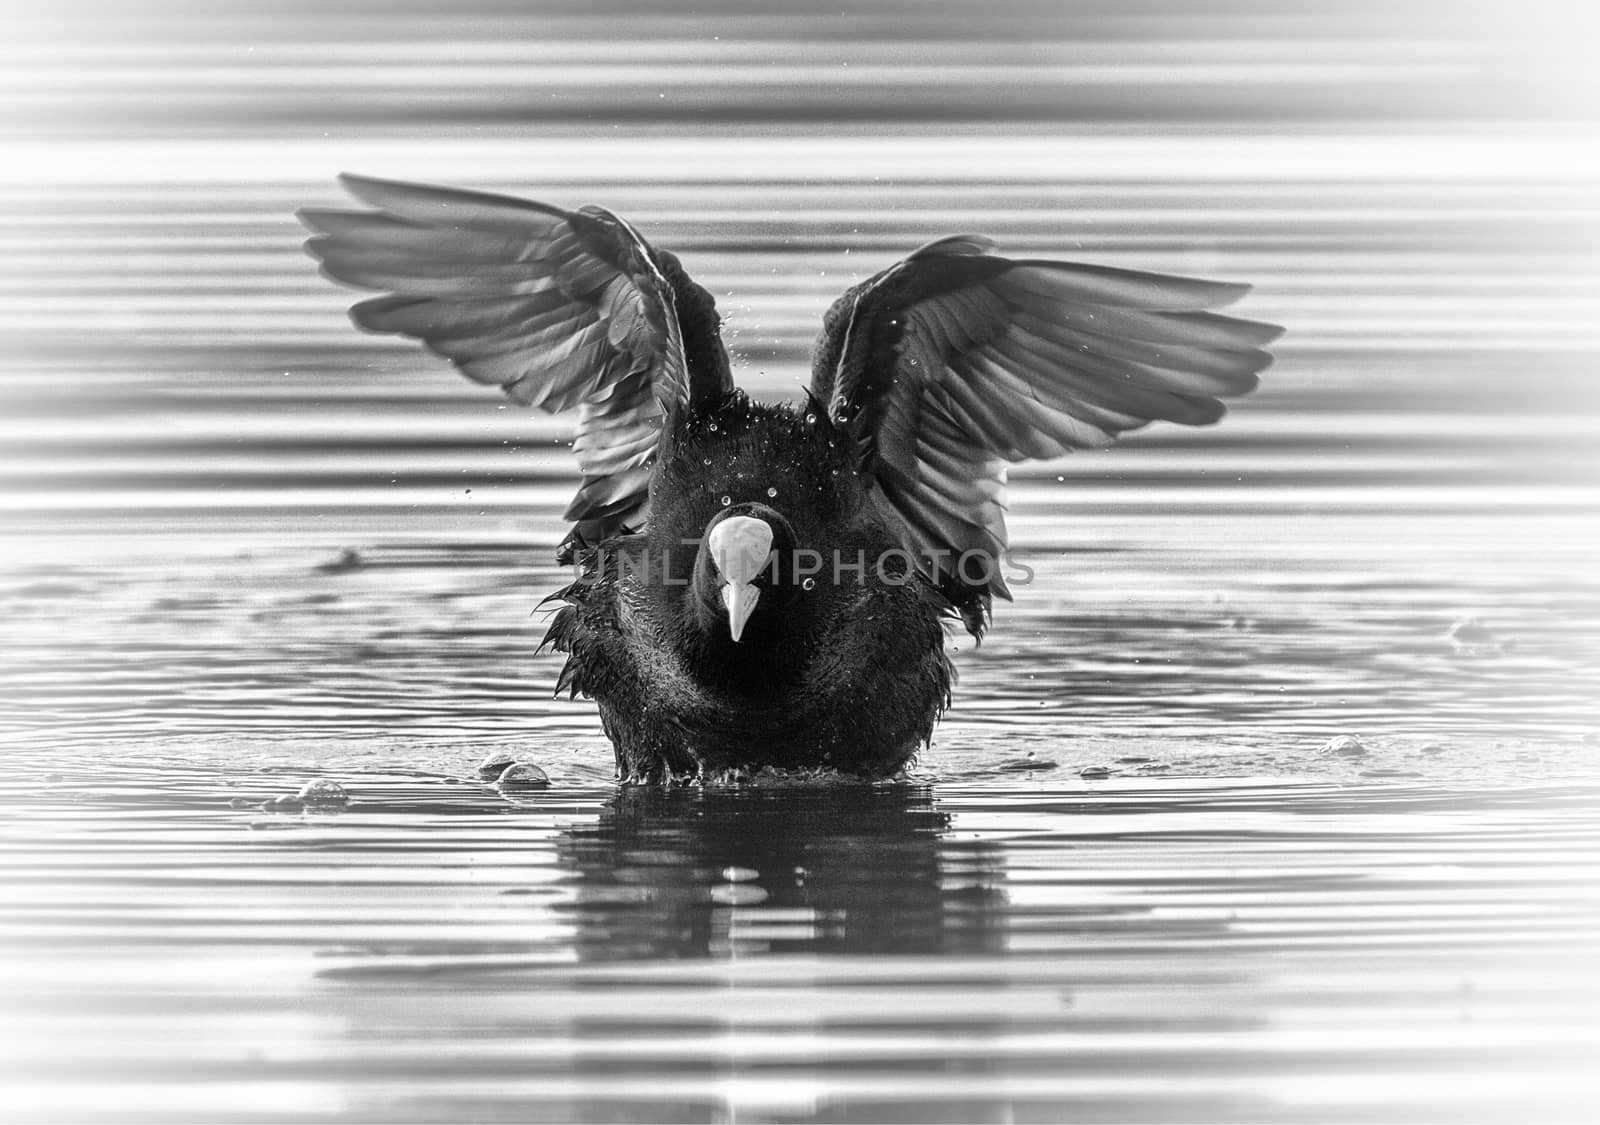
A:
{"x": 1409, "y": 185}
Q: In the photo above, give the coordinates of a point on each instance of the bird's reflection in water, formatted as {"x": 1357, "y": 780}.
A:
{"x": 669, "y": 872}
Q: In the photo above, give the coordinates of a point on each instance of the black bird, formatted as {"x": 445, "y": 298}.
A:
{"x": 766, "y": 585}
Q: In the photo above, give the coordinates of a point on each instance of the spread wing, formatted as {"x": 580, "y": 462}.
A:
{"x": 560, "y": 309}
{"x": 952, "y": 363}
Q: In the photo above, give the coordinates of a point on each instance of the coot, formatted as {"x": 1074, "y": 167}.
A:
{"x": 759, "y": 584}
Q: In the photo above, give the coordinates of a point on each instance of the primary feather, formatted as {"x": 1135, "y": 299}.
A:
{"x": 562, "y": 310}
{"x": 954, "y": 362}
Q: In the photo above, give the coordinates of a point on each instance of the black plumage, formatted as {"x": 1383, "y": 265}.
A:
{"x": 871, "y": 512}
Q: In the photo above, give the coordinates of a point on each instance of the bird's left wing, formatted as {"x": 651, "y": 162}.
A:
{"x": 955, "y": 361}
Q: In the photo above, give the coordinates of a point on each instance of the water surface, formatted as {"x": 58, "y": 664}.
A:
{"x": 246, "y": 547}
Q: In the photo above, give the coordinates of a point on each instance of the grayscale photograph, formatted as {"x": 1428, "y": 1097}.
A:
{"x": 751, "y": 561}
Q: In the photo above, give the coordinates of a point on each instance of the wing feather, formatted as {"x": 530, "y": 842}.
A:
{"x": 561, "y": 309}
{"x": 955, "y": 361}
{"x": 1075, "y": 283}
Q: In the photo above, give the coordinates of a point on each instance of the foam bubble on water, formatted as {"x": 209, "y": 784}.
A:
{"x": 494, "y": 764}
{"x": 1345, "y": 746}
{"x": 324, "y": 793}
{"x": 523, "y": 775}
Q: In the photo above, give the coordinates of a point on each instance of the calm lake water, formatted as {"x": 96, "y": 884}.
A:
{"x": 246, "y": 547}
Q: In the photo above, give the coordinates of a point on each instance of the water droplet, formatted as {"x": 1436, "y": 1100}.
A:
{"x": 809, "y": 584}
{"x": 736, "y": 894}
{"x": 811, "y": 419}
{"x": 712, "y": 427}
{"x": 771, "y": 492}
{"x": 726, "y": 500}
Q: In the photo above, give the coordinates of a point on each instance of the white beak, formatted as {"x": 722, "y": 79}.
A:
{"x": 739, "y": 547}
{"x": 740, "y": 599}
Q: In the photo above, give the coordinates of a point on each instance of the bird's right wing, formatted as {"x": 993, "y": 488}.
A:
{"x": 561, "y": 309}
